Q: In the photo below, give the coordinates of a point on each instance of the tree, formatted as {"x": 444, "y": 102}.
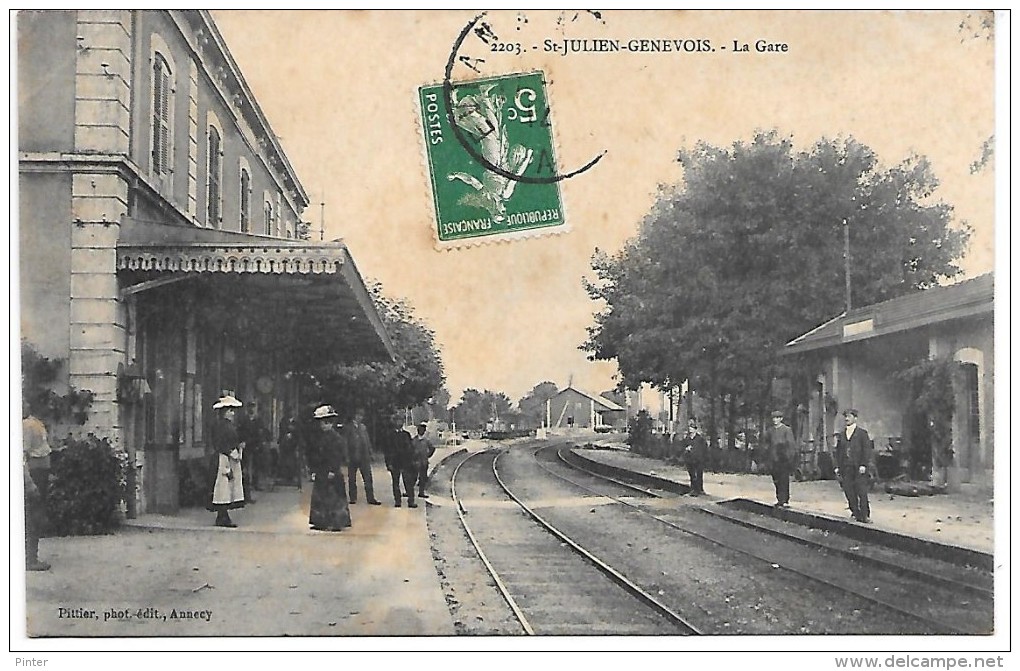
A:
{"x": 382, "y": 388}
{"x": 439, "y": 404}
{"x": 478, "y": 408}
{"x": 747, "y": 253}
{"x": 532, "y": 404}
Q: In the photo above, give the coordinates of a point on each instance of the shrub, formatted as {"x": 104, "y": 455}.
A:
{"x": 639, "y": 433}
{"x": 86, "y": 487}
{"x": 195, "y": 482}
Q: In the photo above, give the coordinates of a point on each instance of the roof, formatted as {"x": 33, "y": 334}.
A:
{"x": 316, "y": 284}
{"x": 604, "y": 402}
{"x": 235, "y": 257}
{"x": 932, "y": 306}
{"x": 258, "y": 114}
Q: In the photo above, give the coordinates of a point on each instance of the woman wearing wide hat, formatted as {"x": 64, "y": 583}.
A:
{"x": 228, "y": 491}
{"x": 329, "y": 510}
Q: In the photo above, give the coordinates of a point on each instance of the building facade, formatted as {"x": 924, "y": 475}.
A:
{"x": 159, "y": 229}
{"x": 572, "y": 408}
{"x": 857, "y": 361}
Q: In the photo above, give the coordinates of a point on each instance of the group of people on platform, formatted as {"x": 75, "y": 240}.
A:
{"x": 853, "y": 455}
{"x": 326, "y": 450}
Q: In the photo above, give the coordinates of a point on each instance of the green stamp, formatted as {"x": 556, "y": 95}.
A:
{"x": 495, "y": 175}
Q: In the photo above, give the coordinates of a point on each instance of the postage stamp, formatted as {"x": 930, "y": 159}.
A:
{"x": 491, "y": 157}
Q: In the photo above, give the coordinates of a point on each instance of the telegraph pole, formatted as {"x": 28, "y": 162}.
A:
{"x": 846, "y": 260}
{"x": 322, "y": 221}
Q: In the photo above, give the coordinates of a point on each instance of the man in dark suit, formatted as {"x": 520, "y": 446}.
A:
{"x": 695, "y": 451}
{"x": 423, "y": 449}
{"x": 399, "y": 453}
{"x": 360, "y": 458}
{"x": 853, "y": 459}
{"x": 782, "y": 457}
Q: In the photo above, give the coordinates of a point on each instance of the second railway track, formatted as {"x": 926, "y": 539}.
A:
{"x": 553, "y": 586}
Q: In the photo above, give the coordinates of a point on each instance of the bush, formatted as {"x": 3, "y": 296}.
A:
{"x": 639, "y": 433}
{"x": 195, "y": 482}
{"x": 86, "y": 487}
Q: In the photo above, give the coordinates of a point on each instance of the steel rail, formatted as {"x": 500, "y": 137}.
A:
{"x": 481, "y": 554}
{"x": 947, "y": 628}
{"x": 613, "y": 574}
{"x": 948, "y": 582}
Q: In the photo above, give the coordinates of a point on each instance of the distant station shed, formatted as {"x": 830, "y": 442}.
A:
{"x": 573, "y": 408}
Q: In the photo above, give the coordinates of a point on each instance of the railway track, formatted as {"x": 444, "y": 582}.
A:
{"x": 965, "y": 579}
{"x": 553, "y": 585}
{"x": 953, "y": 601}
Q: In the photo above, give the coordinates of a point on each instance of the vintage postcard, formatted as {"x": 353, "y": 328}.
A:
{"x": 510, "y": 330}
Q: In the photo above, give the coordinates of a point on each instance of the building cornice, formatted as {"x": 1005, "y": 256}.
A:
{"x": 129, "y": 171}
{"x": 209, "y": 33}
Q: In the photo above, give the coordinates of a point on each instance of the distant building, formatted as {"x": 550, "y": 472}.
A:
{"x": 573, "y": 408}
{"x": 854, "y": 358}
{"x": 158, "y": 224}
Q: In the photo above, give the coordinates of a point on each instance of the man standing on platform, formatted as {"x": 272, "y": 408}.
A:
{"x": 695, "y": 451}
{"x": 360, "y": 447}
{"x": 781, "y": 449}
{"x": 853, "y": 457}
{"x": 399, "y": 454}
{"x": 423, "y": 450}
{"x": 254, "y": 435}
{"x": 36, "y": 444}
{"x": 36, "y": 461}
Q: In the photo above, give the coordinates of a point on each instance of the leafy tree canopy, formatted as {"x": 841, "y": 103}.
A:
{"x": 383, "y": 387}
{"x": 747, "y": 253}
{"x": 532, "y": 404}
{"x": 477, "y": 408}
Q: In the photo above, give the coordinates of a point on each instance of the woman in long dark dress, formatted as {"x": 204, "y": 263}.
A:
{"x": 329, "y": 510}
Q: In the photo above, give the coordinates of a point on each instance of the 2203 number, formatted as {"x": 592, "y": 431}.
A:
{"x": 507, "y": 47}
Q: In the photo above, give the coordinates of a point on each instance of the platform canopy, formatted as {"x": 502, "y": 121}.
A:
{"x": 306, "y": 300}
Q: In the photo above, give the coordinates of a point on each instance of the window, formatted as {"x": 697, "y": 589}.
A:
{"x": 970, "y": 389}
{"x": 215, "y": 177}
{"x": 269, "y": 218}
{"x": 278, "y": 222}
{"x": 162, "y": 103}
{"x": 245, "y": 201}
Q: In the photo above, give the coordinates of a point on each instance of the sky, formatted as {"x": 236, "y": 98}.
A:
{"x": 339, "y": 89}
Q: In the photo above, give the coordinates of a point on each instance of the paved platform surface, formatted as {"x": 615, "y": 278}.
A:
{"x": 273, "y": 576}
{"x": 964, "y": 518}
{"x": 179, "y": 575}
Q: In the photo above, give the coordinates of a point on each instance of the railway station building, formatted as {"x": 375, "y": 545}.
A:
{"x": 161, "y": 250}
{"x": 857, "y": 359}
{"x": 572, "y": 408}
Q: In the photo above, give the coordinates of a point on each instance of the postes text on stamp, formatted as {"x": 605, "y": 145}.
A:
{"x": 495, "y": 173}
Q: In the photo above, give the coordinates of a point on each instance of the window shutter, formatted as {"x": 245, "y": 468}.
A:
{"x": 164, "y": 140}
{"x": 160, "y": 117}
{"x": 213, "y": 206}
{"x": 245, "y": 202}
{"x": 157, "y": 116}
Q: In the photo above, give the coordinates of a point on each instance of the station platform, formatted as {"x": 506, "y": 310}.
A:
{"x": 377, "y": 578}
{"x": 964, "y": 518}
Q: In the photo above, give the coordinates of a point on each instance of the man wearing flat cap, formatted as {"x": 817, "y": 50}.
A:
{"x": 422, "y": 449}
{"x": 853, "y": 458}
{"x": 781, "y": 453}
